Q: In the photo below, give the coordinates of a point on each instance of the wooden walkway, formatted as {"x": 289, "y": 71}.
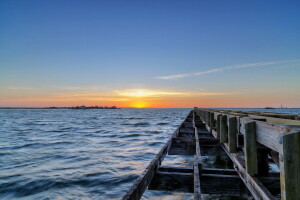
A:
{"x": 250, "y": 140}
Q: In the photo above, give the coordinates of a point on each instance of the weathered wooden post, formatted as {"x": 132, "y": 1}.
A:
{"x": 208, "y": 119}
{"x": 223, "y": 129}
{"x": 232, "y": 134}
{"x": 290, "y": 166}
{"x": 218, "y": 125}
{"x": 212, "y": 119}
{"x": 250, "y": 148}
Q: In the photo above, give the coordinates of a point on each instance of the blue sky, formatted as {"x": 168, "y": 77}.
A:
{"x": 50, "y": 48}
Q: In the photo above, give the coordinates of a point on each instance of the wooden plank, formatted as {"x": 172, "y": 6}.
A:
{"x": 290, "y": 166}
{"x": 232, "y": 134}
{"x": 198, "y": 152}
{"x": 267, "y": 133}
{"x": 197, "y": 166}
{"x": 278, "y": 120}
{"x": 212, "y": 122}
{"x": 218, "y": 125}
{"x": 218, "y": 171}
{"x": 223, "y": 129}
{"x": 250, "y": 148}
{"x": 197, "y": 187}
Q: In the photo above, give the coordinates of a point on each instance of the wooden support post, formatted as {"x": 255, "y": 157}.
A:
{"x": 223, "y": 129}
{"x": 290, "y": 166}
{"x": 232, "y": 134}
{"x": 212, "y": 120}
{"x": 218, "y": 125}
{"x": 208, "y": 119}
{"x": 250, "y": 148}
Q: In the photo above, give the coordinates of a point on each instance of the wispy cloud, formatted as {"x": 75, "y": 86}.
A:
{"x": 147, "y": 93}
{"x": 225, "y": 68}
{"x": 141, "y": 93}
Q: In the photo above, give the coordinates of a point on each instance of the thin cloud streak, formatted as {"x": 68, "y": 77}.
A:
{"x": 260, "y": 64}
{"x": 144, "y": 93}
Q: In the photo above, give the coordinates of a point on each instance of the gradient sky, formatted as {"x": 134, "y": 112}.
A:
{"x": 150, "y": 53}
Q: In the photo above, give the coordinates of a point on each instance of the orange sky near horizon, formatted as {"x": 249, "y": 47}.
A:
{"x": 144, "y": 98}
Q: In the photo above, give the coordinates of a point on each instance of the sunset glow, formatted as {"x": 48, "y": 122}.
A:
{"x": 159, "y": 55}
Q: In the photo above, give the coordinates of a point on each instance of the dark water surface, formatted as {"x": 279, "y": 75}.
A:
{"x": 82, "y": 154}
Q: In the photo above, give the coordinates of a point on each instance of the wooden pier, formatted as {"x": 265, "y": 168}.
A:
{"x": 250, "y": 140}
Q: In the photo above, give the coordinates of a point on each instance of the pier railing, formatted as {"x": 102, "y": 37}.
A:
{"x": 250, "y": 137}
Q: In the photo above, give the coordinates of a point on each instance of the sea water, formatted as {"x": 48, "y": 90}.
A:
{"x": 84, "y": 154}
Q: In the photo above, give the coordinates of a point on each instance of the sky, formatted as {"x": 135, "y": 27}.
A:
{"x": 149, "y": 53}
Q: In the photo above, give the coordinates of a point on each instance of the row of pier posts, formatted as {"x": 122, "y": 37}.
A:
{"x": 228, "y": 129}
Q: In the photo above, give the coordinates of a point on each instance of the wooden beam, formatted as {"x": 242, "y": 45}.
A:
{"x": 197, "y": 171}
{"x": 266, "y": 133}
{"x": 250, "y": 148}
{"x": 290, "y": 166}
{"x": 212, "y": 122}
{"x": 232, "y": 134}
{"x": 197, "y": 165}
{"x": 223, "y": 129}
{"x": 218, "y": 125}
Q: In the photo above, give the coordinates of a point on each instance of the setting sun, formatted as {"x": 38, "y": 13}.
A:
{"x": 140, "y": 104}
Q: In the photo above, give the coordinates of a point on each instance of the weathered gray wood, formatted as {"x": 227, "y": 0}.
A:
{"x": 290, "y": 166}
{"x": 270, "y": 135}
{"x": 197, "y": 165}
{"x": 257, "y": 189}
{"x": 223, "y": 129}
{"x": 212, "y": 122}
{"x": 218, "y": 125}
{"x": 197, "y": 171}
{"x": 203, "y": 170}
{"x": 232, "y": 134}
{"x": 200, "y": 181}
{"x": 250, "y": 148}
{"x": 266, "y": 133}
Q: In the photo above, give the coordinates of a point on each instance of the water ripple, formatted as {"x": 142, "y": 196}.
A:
{"x": 74, "y": 154}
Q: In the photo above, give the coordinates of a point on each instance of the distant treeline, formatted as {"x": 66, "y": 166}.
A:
{"x": 87, "y": 107}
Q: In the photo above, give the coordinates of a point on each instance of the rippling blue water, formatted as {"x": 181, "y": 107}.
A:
{"x": 81, "y": 154}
